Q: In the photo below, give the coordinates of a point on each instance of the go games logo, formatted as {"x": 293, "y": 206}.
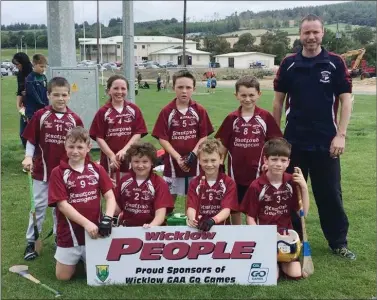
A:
{"x": 257, "y": 274}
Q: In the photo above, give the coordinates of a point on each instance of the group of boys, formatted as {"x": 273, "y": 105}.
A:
{"x": 64, "y": 176}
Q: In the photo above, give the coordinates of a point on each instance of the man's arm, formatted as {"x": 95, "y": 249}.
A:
{"x": 339, "y": 141}
{"x": 277, "y": 108}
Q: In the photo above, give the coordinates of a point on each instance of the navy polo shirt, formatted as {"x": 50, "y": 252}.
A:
{"x": 312, "y": 87}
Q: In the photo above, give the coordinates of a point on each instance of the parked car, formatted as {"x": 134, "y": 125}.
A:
{"x": 4, "y": 72}
{"x": 170, "y": 64}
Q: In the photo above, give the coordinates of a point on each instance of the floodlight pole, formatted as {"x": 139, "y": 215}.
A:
{"x": 128, "y": 47}
{"x": 184, "y": 33}
{"x": 98, "y": 31}
{"x": 61, "y": 34}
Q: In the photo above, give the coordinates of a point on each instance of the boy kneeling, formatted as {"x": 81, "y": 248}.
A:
{"x": 75, "y": 188}
{"x": 270, "y": 198}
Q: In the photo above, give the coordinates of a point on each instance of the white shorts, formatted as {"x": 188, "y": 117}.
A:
{"x": 70, "y": 256}
{"x": 178, "y": 186}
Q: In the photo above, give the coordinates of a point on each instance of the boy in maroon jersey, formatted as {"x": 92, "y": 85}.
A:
{"x": 180, "y": 128}
{"x": 75, "y": 188}
{"x": 211, "y": 199}
{"x": 243, "y": 134}
{"x": 117, "y": 125}
{"x": 143, "y": 196}
{"x": 272, "y": 197}
{"x": 45, "y": 134}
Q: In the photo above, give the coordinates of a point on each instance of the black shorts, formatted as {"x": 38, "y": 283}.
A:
{"x": 241, "y": 191}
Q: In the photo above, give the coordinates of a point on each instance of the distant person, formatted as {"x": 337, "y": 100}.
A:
{"x": 209, "y": 80}
{"x": 139, "y": 78}
{"x": 159, "y": 82}
{"x": 213, "y": 83}
{"x": 24, "y": 66}
{"x": 36, "y": 86}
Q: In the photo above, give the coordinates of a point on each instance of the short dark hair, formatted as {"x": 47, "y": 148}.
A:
{"x": 183, "y": 74}
{"x": 142, "y": 149}
{"x": 39, "y": 59}
{"x": 249, "y": 82}
{"x": 277, "y": 147}
{"x": 112, "y": 78}
{"x": 58, "y": 82}
{"x": 78, "y": 133}
{"x": 310, "y": 17}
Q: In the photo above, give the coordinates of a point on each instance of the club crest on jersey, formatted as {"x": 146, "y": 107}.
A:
{"x": 256, "y": 129}
{"x": 70, "y": 184}
{"x": 325, "y": 76}
{"x": 102, "y": 272}
{"x": 68, "y": 126}
{"x": 174, "y": 123}
{"x": 92, "y": 180}
{"x": 146, "y": 195}
{"x": 47, "y": 124}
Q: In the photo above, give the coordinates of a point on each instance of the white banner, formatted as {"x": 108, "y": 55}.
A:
{"x": 179, "y": 254}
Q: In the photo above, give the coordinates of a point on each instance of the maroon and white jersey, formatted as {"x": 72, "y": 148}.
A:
{"x": 244, "y": 141}
{"x": 82, "y": 191}
{"x": 117, "y": 128}
{"x": 47, "y": 130}
{"x": 269, "y": 205}
{"x": 140, "y": 202}
{"x": 182, "y": 131}
{"x": 212, "y": 199}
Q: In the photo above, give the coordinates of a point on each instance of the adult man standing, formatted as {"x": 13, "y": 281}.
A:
{"x": 313, "y": 82}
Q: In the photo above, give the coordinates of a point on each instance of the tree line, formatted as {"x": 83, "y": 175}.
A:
{"x": 274, "y": 41}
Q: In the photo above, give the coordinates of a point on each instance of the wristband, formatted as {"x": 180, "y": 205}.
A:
{"x": 216, "y": 219}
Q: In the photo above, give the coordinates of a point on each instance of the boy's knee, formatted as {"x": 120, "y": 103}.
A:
{"x": 63, "y": 276}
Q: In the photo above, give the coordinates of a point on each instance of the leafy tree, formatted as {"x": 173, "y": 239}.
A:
{"x": 364, "y": 35}
{"x": 370, "y": 53}
{"x": 277, "y": 43}
{"x": 245, "y": 43}
{"x": 216, "y": 45}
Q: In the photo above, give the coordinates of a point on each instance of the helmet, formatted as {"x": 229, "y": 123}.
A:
{"x": 288, "y": 246}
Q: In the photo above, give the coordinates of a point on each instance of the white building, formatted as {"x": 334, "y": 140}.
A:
{"x": 194, "y": 57}
{"x": 112, "y": 47}
{"x": 242, "y": 60}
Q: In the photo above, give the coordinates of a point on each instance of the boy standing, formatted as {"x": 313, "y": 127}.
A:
{"x": 180, "y": 128}
{"x": 272, "y": 197}
{"x": 75, "y": 188}
{"x": 36, "y": 86}
{"x": 143, "y": 196}
{"x": 45, "y": 135}
{"x": 243, "y": 134}
{"x": 210, "y": 199}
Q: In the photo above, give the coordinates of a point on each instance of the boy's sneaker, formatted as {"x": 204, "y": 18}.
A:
{"x": 344, "y": 252}
{"x": 30, "y": 253}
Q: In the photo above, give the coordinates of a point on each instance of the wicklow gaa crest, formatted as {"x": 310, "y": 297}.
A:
{"x": 102, "y": 272}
